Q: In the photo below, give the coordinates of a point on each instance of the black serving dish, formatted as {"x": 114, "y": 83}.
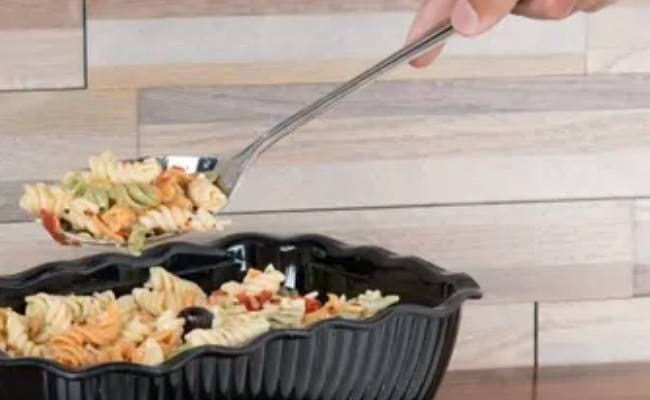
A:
{"x": 401, "y": 353}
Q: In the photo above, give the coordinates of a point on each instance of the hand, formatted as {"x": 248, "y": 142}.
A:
{"x": 474, "y": 17}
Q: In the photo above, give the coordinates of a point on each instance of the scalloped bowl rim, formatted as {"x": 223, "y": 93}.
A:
{"x": 451, "y": 304}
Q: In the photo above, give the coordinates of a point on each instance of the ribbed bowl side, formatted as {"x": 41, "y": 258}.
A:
{"x": 403, "y": 357}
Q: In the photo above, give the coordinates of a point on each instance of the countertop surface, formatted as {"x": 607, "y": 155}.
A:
{"x": 602, "y": 382}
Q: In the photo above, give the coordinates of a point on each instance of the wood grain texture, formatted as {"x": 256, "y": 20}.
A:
{"x": 268, "y": 73}
{"x": 618, "y": 40}
{"x": 26, "y": 245}
{"x": 493, "y": 384}
{"x": 498, "y": 336}
{"x": 40, "y": 14}
{"x": 44, "y": 134}
{"x": 281, "y": 48}
{"x": 518, "y": 253}
{"x": 479, "y": 140}
{"x": 614, "y": 331}
{"x": 120, "y": 9}
{"x": 41, "y": 44}
{"x": 642, "y": 245}
{"x": 41, "y": 59}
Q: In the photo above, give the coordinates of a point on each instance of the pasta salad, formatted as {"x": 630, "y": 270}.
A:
{"x": 125, "y": 202}
{"x": 167, "y": 316}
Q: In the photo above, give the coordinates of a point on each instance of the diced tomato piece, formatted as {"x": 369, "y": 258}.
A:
{"x": 312, "y": 305}
{"x": 53, "y": 226}
{"x": 264, "y": 296}
{"x": 244, "y": 299}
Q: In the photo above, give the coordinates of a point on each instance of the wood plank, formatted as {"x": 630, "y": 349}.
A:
{"x": 642, "y": 245}
{"x": 116, "y": 58}
{"x": 42, "y": 44}
{"x": 145, "y": 76}
{"x": 627, "y": 51}
{"x": 41, "y": 59}
{"x": 40, "y": 14}
{"x": 26, "y": 245}
{"x": 614, "y": 331}
{"x": 125, "y": 9}
{"x": 498, "y": 336}
{"x": 493, "y": 384}
{"x": 121, "y": 9}
{"x": 182, "y": 40}
{"x": 593, "y": 382}
{"x": 40, "y": 129}
{"x": 515, "y": 140}
{"x": 518, "y": 253}
{"x": 267, "y": 104}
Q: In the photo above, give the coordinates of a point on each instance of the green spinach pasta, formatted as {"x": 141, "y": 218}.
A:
{"x": 125, "y": 202}
{"x": 166, "y": 316}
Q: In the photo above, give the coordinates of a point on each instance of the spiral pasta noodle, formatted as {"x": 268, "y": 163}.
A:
{"x": 167, "y": 219}
{"x": 136, "y": 330}
{"x": 18, "y": 340}
{"x": 51, "y": 198}
{"x": 47, "y": 316}
{"x": 236, "y": 331}
{"x": 288, "y": 313}
{"x": 101, "y": 330}
{"x": 107, "y": 168}
{"x": 206, "y": 195}
{"x": 148, "y": 353}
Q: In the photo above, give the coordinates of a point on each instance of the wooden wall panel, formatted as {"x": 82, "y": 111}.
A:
{"x": 123, "y": 9}
{"x": 41, "y": 44}
{"x": 613, "y": 331}
{"x": 179, "y": 54}
{"x": 618, "y": 40}
{"x": 642, "y": 245}
{"x": 44, "y": 134}
{"x": 495, "y": 337}
{"x": 466, "y": 141}
{"x": 518, "y": 253}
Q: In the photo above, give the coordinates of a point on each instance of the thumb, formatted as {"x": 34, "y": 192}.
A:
{"x": 474, "y": 17}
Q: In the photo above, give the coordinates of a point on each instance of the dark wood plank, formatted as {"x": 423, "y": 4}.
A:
{"x": 41, "y": 14}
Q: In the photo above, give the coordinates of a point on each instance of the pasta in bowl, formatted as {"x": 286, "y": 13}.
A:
{"x": 327, "y": 320}
{"x": 167, "y": 316}
{"x": 125, "y": 203}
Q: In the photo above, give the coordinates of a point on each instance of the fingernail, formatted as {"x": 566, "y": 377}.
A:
{"x": 465, "y": 18}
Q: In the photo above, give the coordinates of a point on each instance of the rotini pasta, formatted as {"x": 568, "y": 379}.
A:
{"x": 149, "y": 353}
{"x": 236, "y": 331}
{"x": 125, "y": 202}
{"x": 51, "y": 198}
{"x": 107, "y": 168}
{"x": 166, "y": 316}
{"x": 206, "y": 195}
{"x": 18, "y": 341}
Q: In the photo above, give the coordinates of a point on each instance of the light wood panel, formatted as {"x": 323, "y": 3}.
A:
{"x": 618, "y": 40}
{"x": 594, "y": 332}
{"x": 144, "y": 76}
{"x": 118, "y": 9}
{"x": 41, "y": 44}
{"x": 179, "y": 54}
{"x": 642, "y": 239}
{"x": 43, "y": 134}
{"x": 495, "y": 337}
{"x": 518, "y": 253}
{"x": 467, "y": 141}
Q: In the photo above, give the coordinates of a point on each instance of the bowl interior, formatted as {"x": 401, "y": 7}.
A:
{"x": 309, "y": 265}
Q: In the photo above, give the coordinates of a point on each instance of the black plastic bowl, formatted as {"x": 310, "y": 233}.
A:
{"x": 401, "y": 353}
